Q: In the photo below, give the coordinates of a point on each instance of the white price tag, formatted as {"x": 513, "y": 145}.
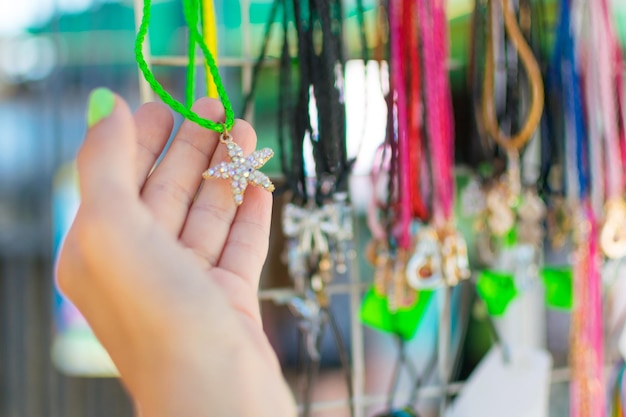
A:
{"x": 518, "y": 388}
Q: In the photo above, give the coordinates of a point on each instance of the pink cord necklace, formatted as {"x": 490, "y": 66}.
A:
{"x": 440, "y": 256}
{"x": 403, "y": 229}
{"x": 604, "y": 95}
{"x": 439, "y": 123}
{"x": 607, "y": 185}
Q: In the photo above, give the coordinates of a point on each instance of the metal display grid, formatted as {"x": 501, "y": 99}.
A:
{"x": 354, "y": 287}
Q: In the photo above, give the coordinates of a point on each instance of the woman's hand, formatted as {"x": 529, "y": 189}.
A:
{"x": 167, "y": 275}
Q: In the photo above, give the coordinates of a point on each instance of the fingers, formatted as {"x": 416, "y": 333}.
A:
{"x": 154, "y": 123}
{"x": 246, "y": 247}
{"x": 212, "y": 214}
{"x": 170, "y": 190}
{"x": 106, "y": 160}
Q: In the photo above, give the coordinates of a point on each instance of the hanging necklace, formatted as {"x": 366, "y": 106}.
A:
{"x": 392, "y": 305}
{"x": 586, "y": 348}
{"x": 603, "y": 85}
{"x": 241, "y": 170}
{"x": 509, "y": 221}
{"x": 505, "y": 204}
{"x": 317, "y": 220}
{"x": 514, "y": 143}
{"x": 553, "y": 180}
{"x": 440, "y": 255}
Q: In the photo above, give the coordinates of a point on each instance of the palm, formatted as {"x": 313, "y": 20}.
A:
{"x": 207, "y": 222}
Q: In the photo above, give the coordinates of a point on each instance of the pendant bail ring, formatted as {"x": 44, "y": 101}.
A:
{"x": 225, "y": 136}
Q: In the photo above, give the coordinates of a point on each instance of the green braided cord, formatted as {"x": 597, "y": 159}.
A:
{"x": 167, "y": 97}
{"x": 191, "y": 64}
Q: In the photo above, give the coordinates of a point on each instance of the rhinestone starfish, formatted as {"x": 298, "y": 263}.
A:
{"x": 242, "y": 170}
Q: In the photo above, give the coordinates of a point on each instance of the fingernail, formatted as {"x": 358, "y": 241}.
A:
{"x": 100, "y": 105}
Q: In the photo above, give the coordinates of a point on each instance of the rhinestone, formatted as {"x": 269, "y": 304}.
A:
{"x": 241, "y": 170}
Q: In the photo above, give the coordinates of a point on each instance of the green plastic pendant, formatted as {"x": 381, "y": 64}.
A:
{"x": 404, "y": 322}
{"x": 559, "y": 291}
{"x": 497, "y": 289}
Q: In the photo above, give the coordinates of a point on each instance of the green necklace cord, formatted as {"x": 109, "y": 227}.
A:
{"x": 191, "y": 17}
{"x": 191, "y": 62}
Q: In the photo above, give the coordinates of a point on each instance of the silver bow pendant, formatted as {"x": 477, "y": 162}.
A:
{"x": 317, "y": 233}
{"x": 311, "y": 227}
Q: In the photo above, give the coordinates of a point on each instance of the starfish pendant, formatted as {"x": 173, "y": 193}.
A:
{"x": 242, "y": 170}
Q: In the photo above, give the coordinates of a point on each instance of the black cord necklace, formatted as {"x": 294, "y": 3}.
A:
{"x": 314, "y": 80}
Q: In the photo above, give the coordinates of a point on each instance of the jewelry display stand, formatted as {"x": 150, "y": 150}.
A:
{"x": 354, "y": 288}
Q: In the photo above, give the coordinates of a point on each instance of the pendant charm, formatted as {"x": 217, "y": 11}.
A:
{"x": 309, "y": 315}
{"x": 511, "y": 214}
{"x": 241, "y": 170}
{"x": 559, "y": 222}
{"x": 500, "y": 215}
{"x": 455, "y": 260}
{"x": 377, "y": 254}
{"x": 400, "y": 295}
{"x": 440, "y": 258}
{"x": 473, "y": 199}
{"x": 531, "y": 213}
{"x": 424, "y": 268}
{"x": 613, "y": 235}
{"x": 390, "y": 279}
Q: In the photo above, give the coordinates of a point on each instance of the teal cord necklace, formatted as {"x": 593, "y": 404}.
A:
{"x": 241, "y": 170}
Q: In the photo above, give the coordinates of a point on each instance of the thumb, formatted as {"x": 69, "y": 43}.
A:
{"x": 106, "y": 159}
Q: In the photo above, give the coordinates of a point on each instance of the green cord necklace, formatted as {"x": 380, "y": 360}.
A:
{"x": 241, "y": 170}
